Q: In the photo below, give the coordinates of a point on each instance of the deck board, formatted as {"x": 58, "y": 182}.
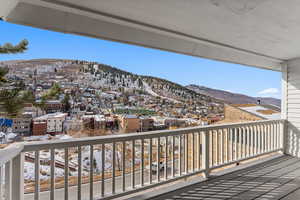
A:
{"x": 275, "y": 179}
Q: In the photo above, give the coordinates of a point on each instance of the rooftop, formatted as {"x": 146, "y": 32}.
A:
{"x": 259, "y": 110}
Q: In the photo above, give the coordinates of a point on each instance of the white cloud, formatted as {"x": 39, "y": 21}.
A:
{"x": 269, "y": 91}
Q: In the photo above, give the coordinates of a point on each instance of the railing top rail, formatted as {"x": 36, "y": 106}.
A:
{"x": 39, "y": 145}
{"x": 10, "y": 152}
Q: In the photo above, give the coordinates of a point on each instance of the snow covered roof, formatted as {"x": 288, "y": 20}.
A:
{"x": 130, "y": 116}
{"x": 51, "y": 115}
{"x": 257, "y": 110}
{"x": 11, "y": 136}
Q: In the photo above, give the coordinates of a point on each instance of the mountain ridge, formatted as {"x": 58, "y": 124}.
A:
{"x": 233, "y": 98}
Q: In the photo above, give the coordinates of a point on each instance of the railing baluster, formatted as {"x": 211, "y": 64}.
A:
{"x": 255, "y": 140}
{"x": 269, "y": 133}
{"x": 232, "y": 131}
{"x": 227, "y": 144}
{"x": 166, "y": 159}
{"x": 252, "y": 140}
{"x": 240, "y": 142}
{"x": 158, "y": 160}
{"x": 199, "y": 150}
{"x": 124, "y": 165}
{"x": 186, "y": 158}
{"x": 244, "y": 132}
{"x": 235, "y": 143}
{"x": 272, "y": 136}
{"x": 66, "y": 186}
{"x": 212, "y": 147}
{"x": 193, "y": 151}
{"x": 180, "y": 155}
{"x": 52, "y": 173}
{"x": 79, "y": 173}
{"x": 221, "y": 160}
{"x": 205, "y": 153}
{"x": 260, "y": 139}
{"x": 275, "y": 135}
{"x": 266, "y": 138}
{"x": 102, "y": 170}
{"x": 37, "y": 175}
{"x": 150, "y": 161}
{"x": 173, "y": 156}
{"x": 248, "y": 142}
{"x": 133, "y": 165}
{"x": 113, "y": 185}
{"x": 91, "y": 171}
{"x": 278, "y": 135}
{"x": 217, "y": 147}
{"x": 142, "y": 163}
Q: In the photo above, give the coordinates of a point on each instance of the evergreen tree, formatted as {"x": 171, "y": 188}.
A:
{"x": 66, "y": 103}
{"x": 9, "y": 48}
{"x": 13, "y": 99}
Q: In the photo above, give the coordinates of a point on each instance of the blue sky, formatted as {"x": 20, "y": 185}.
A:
{"x": 174, "y": 67}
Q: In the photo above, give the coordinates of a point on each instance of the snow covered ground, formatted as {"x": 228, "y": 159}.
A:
{"x": 29, "y": 167}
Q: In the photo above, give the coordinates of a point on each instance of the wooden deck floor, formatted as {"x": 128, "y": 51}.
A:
{"x": 275, "y": 179}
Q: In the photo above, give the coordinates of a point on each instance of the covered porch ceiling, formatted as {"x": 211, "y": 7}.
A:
{"x": 260, "y": 33}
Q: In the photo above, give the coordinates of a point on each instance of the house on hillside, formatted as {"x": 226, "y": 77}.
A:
{"x": 130, "y": 123}
{"x": 21, "y": 125}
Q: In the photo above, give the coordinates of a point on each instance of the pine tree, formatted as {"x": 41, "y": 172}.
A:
{"x": 12, "y": 100}
{"x": 66, "y": 103}
{"x": 9, "y": 48}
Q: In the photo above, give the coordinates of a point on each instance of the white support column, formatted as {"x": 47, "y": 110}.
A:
{"x": 291, "y": 106}
{"x": 18, "y": 177}
{"x": 284, "y": 79}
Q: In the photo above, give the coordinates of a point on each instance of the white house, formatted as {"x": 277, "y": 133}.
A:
{"x": 54, "y": 122}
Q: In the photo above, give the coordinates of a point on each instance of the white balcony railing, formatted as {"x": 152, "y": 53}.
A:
{"x": 133, "y": 159}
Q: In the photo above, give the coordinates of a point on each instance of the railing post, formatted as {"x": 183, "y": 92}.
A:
{"x": 205, "y": 153}
{"x": 283, "y": 134}
{"x": 17, "y": 180}
{"x": 8, "y": 176}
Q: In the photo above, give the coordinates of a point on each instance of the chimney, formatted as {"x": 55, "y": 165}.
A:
{"x": 258, "y": 101}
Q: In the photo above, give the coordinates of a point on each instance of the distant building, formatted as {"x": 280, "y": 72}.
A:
{"x": 21, "y": 125}
{"x": 39, "y": 127}
{"x": 73, "y": 125}
{"x": 173, "y": 122}
{"x": 97, "y": 122}
{"x": 130, "y": 123}
{"x": 53, "y": 106}
{"x": 54, "y": 122}
{"x": 147, "y": 124}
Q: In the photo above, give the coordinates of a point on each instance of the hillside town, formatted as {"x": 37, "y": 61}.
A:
{"x": 94, "y": 99}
